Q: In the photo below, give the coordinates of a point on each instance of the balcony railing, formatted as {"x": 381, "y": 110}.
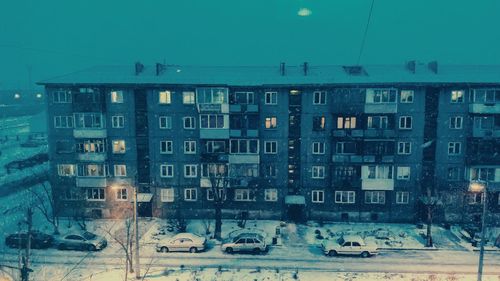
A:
{"x": 377, "y": 184}
{"x": 93, "y": 157}
{"x": 381, "y": 107}
{"x": 90, "y": 133}
{"x": 91, "y": 182}
{"x": 244, "y": 159}
{"x": 485, "y": 133}
{"x": 485, "y": 108}
{"x": 355, "y": 133}
{"x": 379, "y": 133}
{"x": 336, "y": 158}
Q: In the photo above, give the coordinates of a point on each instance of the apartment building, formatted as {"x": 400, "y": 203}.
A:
{"x": 344, "y": 143}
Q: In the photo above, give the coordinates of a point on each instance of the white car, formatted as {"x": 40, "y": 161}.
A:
{"x": 349, "y": 245}
{"x": 182, "y": 242}
{"x": 245, "y": 242}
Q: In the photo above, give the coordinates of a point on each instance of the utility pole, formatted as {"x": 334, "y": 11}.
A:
{"x": 483, "y": 235}
{"x": 25, "y": 270}
{"x": 136, "y": 230}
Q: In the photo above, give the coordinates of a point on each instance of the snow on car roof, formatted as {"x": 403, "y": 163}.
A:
{"x": 270, "y": 75}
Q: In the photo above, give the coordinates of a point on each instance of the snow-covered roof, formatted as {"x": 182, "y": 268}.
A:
{"x": 271, "y": 75}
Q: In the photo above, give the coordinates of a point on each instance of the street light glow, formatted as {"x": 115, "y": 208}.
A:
{"x": 39, "y": 95}
{"x": 17, "y": 95}
{"x": 476, "y": 187}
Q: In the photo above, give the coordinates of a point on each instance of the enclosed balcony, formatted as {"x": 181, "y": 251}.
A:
{"x": 91, "y": 182}
{"x": 379, "y": 133}
{"x": 485, "y": 101}
{"x": 90, "y": 133}
{"x": 92, "y": 157}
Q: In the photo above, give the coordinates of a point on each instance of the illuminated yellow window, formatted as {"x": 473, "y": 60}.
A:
{"x": 165, "y": 97}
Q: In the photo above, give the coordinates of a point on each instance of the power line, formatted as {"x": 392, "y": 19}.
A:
{"x": 364, "y": 35}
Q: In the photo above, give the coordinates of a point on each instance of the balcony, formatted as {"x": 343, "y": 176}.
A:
{"x": 92, "y": 157}
{"x": 214, "y": 157}
{"x": 377, "y": 184}
{"x": 213, "y": 108}
{"x": 120, "y": 181}
{"x": 483, "y": 159}
{"x": 91, "y": 182}
{"x": 482, "y": 133}
{"x": 244, "y": 133}
{"x": 214, "y": 133}
{"x": 485, "y": 108}
{"x": 244, "y": 159}
{"x": 381, "y": 107}
{"x": 363, "y": 158}
{"x": 90, "y": 133}
{"x": 347, "y": 133}
{"x": 379, "y": 133}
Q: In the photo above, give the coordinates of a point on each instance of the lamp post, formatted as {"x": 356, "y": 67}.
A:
{"x": 136, "y": 230}
{"x": 478, "y": 187}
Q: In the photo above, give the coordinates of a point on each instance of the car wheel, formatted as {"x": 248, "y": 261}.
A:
{"x": 332, "y": 253}
{"x": 90, "y": 248}
{"x": 229, "y": 250}
{"x": 61, "y": 247}
{"x": 256, "y": 251}
{"x": 193, "y": 250}
{"x": 365, "y": 254}
{"x": 164, "y": 249}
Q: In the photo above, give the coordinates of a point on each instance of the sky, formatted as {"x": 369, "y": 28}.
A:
{"x": 42, "y": 39}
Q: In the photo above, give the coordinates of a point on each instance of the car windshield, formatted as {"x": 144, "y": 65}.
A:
{"x": 88, "y": 235}
{"x": 341, "y": 241}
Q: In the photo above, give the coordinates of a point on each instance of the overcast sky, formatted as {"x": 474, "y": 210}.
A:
{"x": 54, "y": 37}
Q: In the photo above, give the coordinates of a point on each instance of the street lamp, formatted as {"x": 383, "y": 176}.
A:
{"x": 481, "y": 187}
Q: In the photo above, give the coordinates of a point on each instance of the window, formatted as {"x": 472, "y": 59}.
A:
{"x": 270, "y": 170}
{"x": 165, "y": 122}
{"x": 189, "y": 123}
{"x": 404, "y": 172}
{"x": 487, "y": 96}
{"x": 212, "y": 121}
{"x": 404, "y": 148}
{"x": 243, "y": 170}
{"x": 318, "y": 172}
{"x": 271, "y": 98}
{"x": 457, "y": 96}
{"x": 319, "y": 97}
{"x": 402, "y": 197}
{"x": 271, "y": 194}
{"x": 211, "y": 197}
{"x": 318, "y": 147}
{"x": 456, "y": 122}
{"x": 190, "y": 171}
{"x": 120, "y": 170}
{"x": 167, "y": 195}
{"x": 117, "y": 121}
{"x": 63, "y": 122}
{"x": 189, "y": 147}
{"x": 377, "y": 122}
{"x": 188, "y": 98}
{"x": 377, "y": 172}
{"x": 116, "y": 96}
{"x": 405, "y": 122}
{"x": 121, "y": 194}
{"x": 319, "y": 123}
{"x": 271, "y": 122}
{"x": 242, "y": 195}
{"x": 92, "y": 170}
{"x": 345, "y": 173}
{"x": 381, "y": 95}
{"x": 270, "y": 147}
{"x": 482, "y": 174}
{"x": 346, "y": 122}
{"x": 165, "y": 97}
{"x": 62, "y": 96}
{"x": 345, "y": 197}
{"x": 190, "y": 194}
{"x": 375, "y": 197}
{"x": 213, "y": 170}
{"x": 454, "y": 148}
{"x": 89, "y": 120}
{"x": 454, "y": 173}
{"x": 474, "y": 198}
{"x": 216, "y": 146}
{"x": 406, "y": 96}
{"x": 166, "y": 147}
{"x": 212, "y": 95}
{"x": 242, "y": 98}
{"x": 166, "y": 171}
{"x": 318, "y": 196}
{"x": 66, "y": 170}
{"x": 96, "y": 194}
{"x": 491, "y": 122}
{"x": 119, "y": 146}
{"x": 347, "y": 147}
{"x": 244, "y": 146}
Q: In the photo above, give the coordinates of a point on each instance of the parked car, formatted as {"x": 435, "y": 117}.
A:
{"x": 245, "y": 242}
{"x": 349, "y": 245}
{"x": 39, "y": 240}
{"x": 182, "y": 242}
{"x": 86, "y": 241}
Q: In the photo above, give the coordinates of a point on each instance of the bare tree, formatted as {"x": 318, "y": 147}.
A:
{"x": 431, "y": 203}
{"x": 219, "y": 182}
{"x": 48, "y": 202}
{"x": 124, "y": 238}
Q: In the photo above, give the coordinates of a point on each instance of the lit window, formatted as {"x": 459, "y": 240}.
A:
{"x": 271, "y": 195}
{"x": 167, "y": 195}
{"x": 405, "y": 122}
{"x": 402, "y": 197}
{"x": 188, "y": 98}
{"x": 190, "y": 194}
{"x": 271, "y": 98}
{"x": 403, "y": 173}
{"x": 119, "y": 146}
{"x": 319, "y": 97}
{"x": 345, "y": 197}
{"x": 270, "y": 147}
{"x": 271, "y": 123}
{"x": 117, "y": 96}
{"x": 120, "y": 170}
{"x": 454, "y": 148}
{"x": 346, "y": 122}
{"x": 117, "y": 121}
{"x": 319, "y": 123}
{"x": 317, "y": 196}
{"x": 406, "y": 96}
{"x": 165, "y": 97}
{"x": 166, "y": 171}
{"x": 457, "y": 96}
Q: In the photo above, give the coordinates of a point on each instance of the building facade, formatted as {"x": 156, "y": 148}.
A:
{"x": 336, "y": 143}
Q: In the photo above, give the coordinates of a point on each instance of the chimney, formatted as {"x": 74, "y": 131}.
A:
{"x": 282, "y": 69}
{"x": 411, "y": 66}
{"x": 139, "y": 67}
{"x": 433, "y": 66}
{"x": 160, "y": 68}
{"x": 305, "y": 68}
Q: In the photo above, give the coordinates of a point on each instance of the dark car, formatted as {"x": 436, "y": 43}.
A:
{"x": 85, "y": 241}
{"x": 39, "y": 240}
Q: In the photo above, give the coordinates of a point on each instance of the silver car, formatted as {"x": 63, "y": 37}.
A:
{"x": 182, "y": 242}
{"x": 85, "y": 241}
{"x": 245, "y": 242}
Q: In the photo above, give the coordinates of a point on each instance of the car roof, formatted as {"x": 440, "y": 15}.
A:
{"x": 353, "y": 238}
{"x": 186, "y": 235}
